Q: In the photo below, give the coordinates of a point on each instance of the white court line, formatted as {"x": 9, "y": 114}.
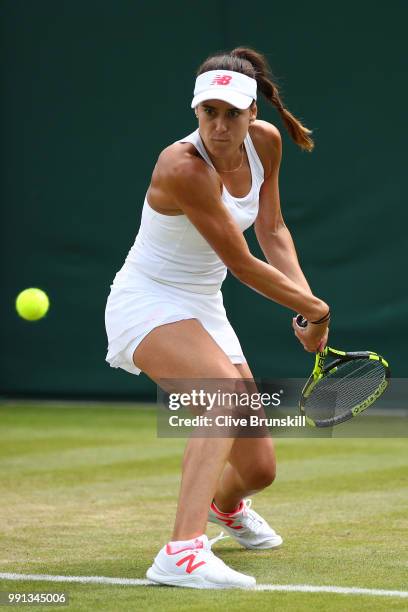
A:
{"x": 294, "y": 588}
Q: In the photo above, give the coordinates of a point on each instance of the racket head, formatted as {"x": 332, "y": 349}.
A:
{"x": 342, "y": 385}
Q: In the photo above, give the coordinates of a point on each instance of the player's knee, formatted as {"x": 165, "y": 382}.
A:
{"x": 264, "y": 476}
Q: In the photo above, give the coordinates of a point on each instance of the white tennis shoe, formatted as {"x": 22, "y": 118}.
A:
{"x": 246, "y": 526}
{"x": 193, "y": 564}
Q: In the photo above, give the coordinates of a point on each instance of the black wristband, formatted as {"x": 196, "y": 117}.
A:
{"x": 325, "y": 318}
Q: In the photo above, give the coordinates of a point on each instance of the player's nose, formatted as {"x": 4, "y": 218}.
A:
{"x": 220, "y": 125}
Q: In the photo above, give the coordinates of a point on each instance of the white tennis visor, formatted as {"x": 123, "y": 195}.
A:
{"x": 227, "y": 85}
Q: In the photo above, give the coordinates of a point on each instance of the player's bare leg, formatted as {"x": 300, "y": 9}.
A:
{"x": 170, "y": 351}
{"x": 251, "y": 465}
{"x": 250, "y": 468}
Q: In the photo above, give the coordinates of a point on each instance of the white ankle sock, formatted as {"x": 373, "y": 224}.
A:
{"x": 178, "y": 545}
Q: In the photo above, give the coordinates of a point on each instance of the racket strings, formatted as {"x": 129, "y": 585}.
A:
{"x": 349, "y": 385}
{"x": 339, "y": 377}
{"x": 351, "y": 397}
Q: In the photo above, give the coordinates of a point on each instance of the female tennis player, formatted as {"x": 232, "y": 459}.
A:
{"x": 165, "y": 313}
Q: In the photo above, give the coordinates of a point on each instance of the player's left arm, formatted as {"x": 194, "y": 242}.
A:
{"x": 273, "y": 236}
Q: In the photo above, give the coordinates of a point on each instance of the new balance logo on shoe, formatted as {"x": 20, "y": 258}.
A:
{"x": 246, "y": 526}
{"x": 229, "y": 518}
{"x": 229, "y": 522}
{"x": 190, "y": 563}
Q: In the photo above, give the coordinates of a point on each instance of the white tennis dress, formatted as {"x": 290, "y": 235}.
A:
{"x": 171, "y": 273}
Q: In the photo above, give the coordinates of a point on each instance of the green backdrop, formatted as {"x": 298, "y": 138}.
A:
{"x": 94, "y": 90}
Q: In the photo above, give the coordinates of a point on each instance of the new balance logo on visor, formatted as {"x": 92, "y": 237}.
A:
{"x": 221, "y": 79}
{"x": 234, "y": 87}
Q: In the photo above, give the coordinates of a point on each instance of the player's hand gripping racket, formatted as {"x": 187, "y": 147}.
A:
{"x": 339, "y": 390}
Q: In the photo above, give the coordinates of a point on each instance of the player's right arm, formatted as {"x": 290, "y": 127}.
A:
{"x": 196, "y": 189}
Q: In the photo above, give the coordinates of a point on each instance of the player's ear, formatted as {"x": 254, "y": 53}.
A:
{"x": 253, "y": 111}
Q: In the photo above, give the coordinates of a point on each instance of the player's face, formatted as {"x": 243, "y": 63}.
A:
{"x": 223, "y": 127}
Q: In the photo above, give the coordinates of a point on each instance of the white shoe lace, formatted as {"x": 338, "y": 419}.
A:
{"x": 209, "y": 553}
{"x": 221, "y": 536}
{"x": 252, "y": 520}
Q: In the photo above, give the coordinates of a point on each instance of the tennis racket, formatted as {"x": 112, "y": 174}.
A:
{"x": 341, "y": 388}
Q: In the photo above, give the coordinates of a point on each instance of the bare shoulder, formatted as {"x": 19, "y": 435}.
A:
{"x": 178, "y": 154}
{"x": 179, "y": 169}
{"x": 263, "y": 131}
{"x": 268, "y": 143}
{"x": 180, "y": 160}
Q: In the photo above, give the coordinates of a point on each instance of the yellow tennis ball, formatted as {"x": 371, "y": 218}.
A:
{"x": 32, "y": 304}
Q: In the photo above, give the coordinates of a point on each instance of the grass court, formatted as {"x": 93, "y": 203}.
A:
{"x": 89, "y": 490}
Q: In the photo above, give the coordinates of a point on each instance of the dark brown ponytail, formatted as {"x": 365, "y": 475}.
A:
{"x": 254, "y": 64}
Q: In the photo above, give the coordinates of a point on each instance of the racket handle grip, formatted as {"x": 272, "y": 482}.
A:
{"x": 300, "y": 321}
